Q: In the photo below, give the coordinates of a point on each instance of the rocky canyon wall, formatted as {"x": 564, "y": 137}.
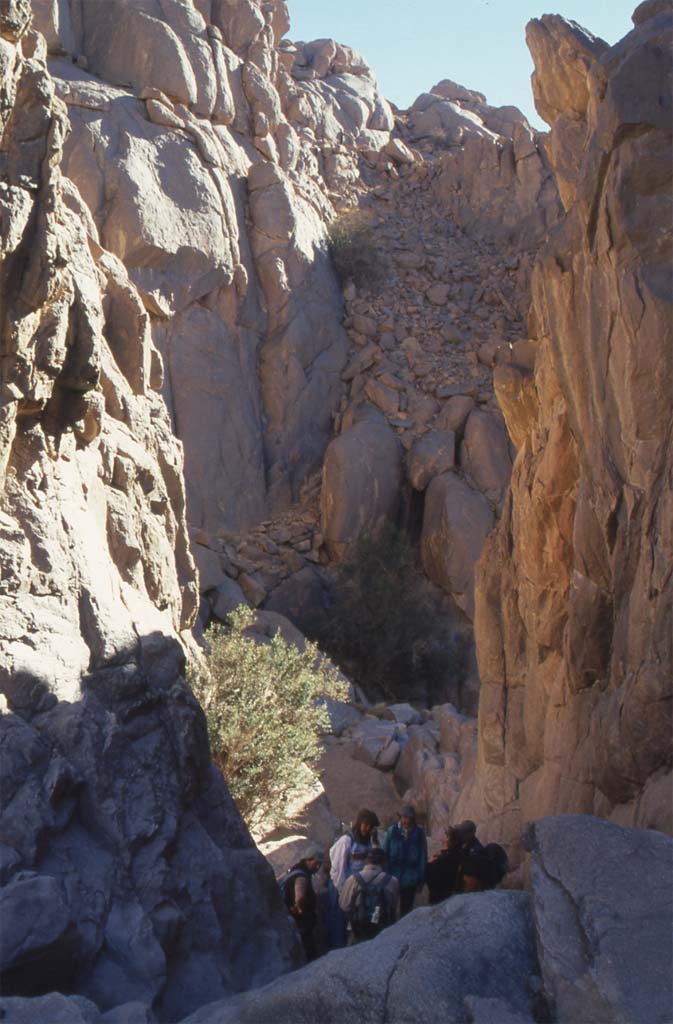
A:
{"x": 126, "y": 870}
{"x": 168, "y": 170}
{"x": 573, "y": 603}
{"x": 208, "y": 156}
{"x": 211, "y": 153}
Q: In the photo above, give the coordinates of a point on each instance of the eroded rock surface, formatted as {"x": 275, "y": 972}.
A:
{"x": 127, "y": 870}
{"x": 211, "y": 154}
{"x": 428, "y": 967}
{"x": 95, "y": 549}
{"x": 573, "y": 605}
{"x": 124, "y": 863}
{"x": 589, "y": 889}
{"x": 165, "y": 273}
{"x": 209, "y": 157}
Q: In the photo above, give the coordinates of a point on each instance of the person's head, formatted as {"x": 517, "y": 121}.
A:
{"x": 451, "y": 839}
{"x": 313, "y": 859}
{"x": 467, "y": 830}
{"x": 376, "y": 856}
{"x": 408, "y": 816}
{"x": 365, "y": 823}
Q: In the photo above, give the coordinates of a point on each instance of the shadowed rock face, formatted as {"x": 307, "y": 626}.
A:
{"x": 567, "y": 951}
{"x": 124, "y": 864}
{"x": 434, "y": 965}
{"x": 127, "y": 872}
{"x": 573, "y": 605}
{"x": 587, "y": 880}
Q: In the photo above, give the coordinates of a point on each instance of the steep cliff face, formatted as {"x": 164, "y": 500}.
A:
{"x": 212, "y": 153}
{"x": 127, "y": 873}
{"x": 209, "y": 156}
{"x": 573, "y": 607}
{"x": 95, "y": 551}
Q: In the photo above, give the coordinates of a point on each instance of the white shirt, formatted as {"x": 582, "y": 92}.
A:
{"x": 339, "y": 856}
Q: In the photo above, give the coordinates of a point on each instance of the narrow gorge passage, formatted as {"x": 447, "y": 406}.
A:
{"x": 455, "y": 471}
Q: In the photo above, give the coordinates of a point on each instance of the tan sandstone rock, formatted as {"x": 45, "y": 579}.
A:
{"x": 574, "y": 588}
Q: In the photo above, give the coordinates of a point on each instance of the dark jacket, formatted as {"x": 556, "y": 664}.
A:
{"x": 442, "y": 875}
{"x": 406, "y": 856}
{"x": 302, "y": 909}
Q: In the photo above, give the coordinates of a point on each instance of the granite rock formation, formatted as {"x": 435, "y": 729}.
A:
{"x": 566, "y": 951}
{"x": 127, "y": 873}
{"x": 126, "y": 870}
{"x": 486, "y": 951}
{"x": 94, "y": 545}
{"x": 211, "y": 154}
{"x": 475, "y": 957}
{"x": 573, "y": 595}
{"x": 588, "y": 890}
{"x": 208, "y": 155}
{"x": 167, "y": 172}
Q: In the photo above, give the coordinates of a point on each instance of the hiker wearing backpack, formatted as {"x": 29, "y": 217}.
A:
{"x": 347, "y": 855}
{"x": 406, "y": 850}
{"x": 299, "y": 896}
{"x": 369, "y": 898}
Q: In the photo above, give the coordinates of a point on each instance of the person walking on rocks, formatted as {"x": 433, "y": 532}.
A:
{"x": 347, "y": 855}
{"x": 300, "y": 898}
{"x": 370, "y": 898}
{"x": 406, "y": 850}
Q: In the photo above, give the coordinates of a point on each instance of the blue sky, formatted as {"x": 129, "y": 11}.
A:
{"x": 478, "y": 43}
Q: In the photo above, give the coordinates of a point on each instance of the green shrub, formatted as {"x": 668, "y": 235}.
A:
{"x": 263, "y": 713}
{"x": 352, "y": 246}
{"x": 386, "y": 631}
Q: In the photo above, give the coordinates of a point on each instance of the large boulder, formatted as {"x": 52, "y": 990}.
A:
{"x": 419, "y": 752}
{"x": 362, "y": 476}
{"x": 456, "y": 522}
{"x": 115, "y": 795}
{"x": 351, "y": 785}
{"x": 432, "y": 966}
{"x": 484, "y": 454}
{"x": 35, "y": 926}
{"x": 432, "y": 455}
{"x": 375, "y": 743}
{"x": 603, "y": 905}
{"x": 305, "y": 598}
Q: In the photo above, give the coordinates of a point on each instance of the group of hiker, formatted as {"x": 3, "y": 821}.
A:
{"x": 372, "y": 883}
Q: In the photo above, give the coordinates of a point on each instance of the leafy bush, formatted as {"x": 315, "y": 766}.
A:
{"x": 263, "y": 713}
{"x": 352, "y": 246}
{"x": 386, "y": 630}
